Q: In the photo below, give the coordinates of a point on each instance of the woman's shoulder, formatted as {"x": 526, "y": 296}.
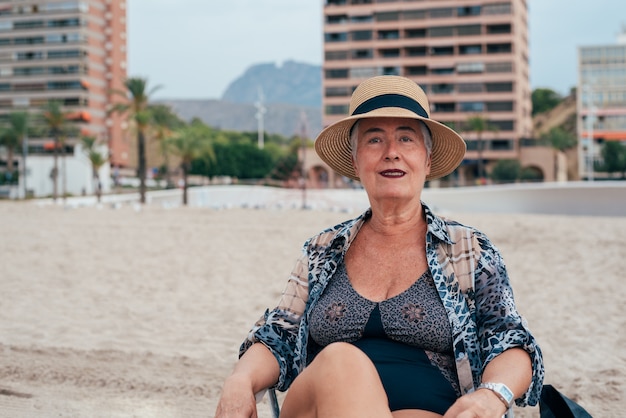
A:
{"x": 344, "y": 230}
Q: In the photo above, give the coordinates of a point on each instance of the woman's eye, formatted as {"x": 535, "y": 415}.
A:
{"x": 373, "y": 140}
{"x": 406, "y": 139}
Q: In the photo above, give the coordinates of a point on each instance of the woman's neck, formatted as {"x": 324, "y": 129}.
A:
{"x": 394, "y": 220}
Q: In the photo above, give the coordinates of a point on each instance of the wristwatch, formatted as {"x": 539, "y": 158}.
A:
{"x": 501, "y": 390}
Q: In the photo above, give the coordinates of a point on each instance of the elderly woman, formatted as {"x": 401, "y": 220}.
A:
{"x": 399, "y": 312}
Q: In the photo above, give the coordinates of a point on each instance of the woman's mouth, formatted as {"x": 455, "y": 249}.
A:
{"x": 392, "y": 173}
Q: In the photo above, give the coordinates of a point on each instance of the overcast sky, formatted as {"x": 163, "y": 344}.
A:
{"x": 195, "y": 48}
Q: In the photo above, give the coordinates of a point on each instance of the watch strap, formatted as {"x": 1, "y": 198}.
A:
{"x": 501, "y": 390}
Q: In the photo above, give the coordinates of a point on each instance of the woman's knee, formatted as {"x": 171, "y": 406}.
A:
{"x": 341, "y": 356}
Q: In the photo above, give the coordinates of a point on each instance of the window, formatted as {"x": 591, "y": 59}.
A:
{"x": 416, "y": 51}
{"x": 391, "y": 71}
{"x": 64, "y": 85}
{"x": 388, "y": 34}
{"x": 468, "y": 11}
{"x": 336, "y": 37}
{"x": 441, "y": 31}
{"x": 387, "y": 16}
{"x": 503, "y": 125}
{"x": 338, "y": 92}
{"x": 415, "y": 70}
{"x": 29, "y": 87}
{"x": 415, "y": 33}
{"x": 361, "y": 35}
{"x": 336, "y": 55}
{"x": 499, "y": 67}
{"x": 468, "y": 30}
{"x": 499, "y": 106}
{"x": 362, "y": 53}
{"x": 498, "y": 29}
{"x": 441, "y": 13}
{"x": 62, "y": 23}
{"x": 470, "y": 88}
{"x": 5, "y": 87}
{"x": 27, "y": 56}
{"x": 71, "y": 53}
{"x": 499, "y": 87}
{"x": 470, "y": 67}
{"x": 336, "y": 19}
{"x": 362, "y": 19}
{"x": 28, "y": 71}
{"x": 442, "y": 50}
{"x": 443, "y": 107}
{"x": 64, "y": 69}
{"x": 442, "y": 71}
{"x": 29, "y": 41}
{"x": 442, "y": 88}
{"x": 497, "y": 9}
{"x": 472, "y": 107}
{"x": 364, "y": 72}
{"x": 29, "y": 24}
{"x": 336, "y": 73}
{"x": 470, "y": 49}
{"x": 337, "y": 109}
{"x": 499, "y": 48}
{"x": 413, "y": 14}
{"x": 390, "y": 53}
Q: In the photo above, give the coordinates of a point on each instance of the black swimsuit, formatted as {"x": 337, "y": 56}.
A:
{"x": 407, "y": 337}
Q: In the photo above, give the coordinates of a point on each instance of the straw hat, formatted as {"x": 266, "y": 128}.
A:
{"x": 389, "y": 96}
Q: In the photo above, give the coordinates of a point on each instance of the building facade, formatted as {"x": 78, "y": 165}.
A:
{"x": 469, "y": 56}
{"x": 601, "y": 101}
{"x": 72, "y": 52}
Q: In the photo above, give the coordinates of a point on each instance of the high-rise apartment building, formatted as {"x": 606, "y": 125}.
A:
{"x": 601, "y": 100}
{"x": 73, "y": 52}
{"x": 469, "y": 56}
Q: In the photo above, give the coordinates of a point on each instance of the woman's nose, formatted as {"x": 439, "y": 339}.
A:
{"x": 391, "y": 153}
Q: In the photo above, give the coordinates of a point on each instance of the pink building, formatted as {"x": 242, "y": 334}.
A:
{"x": 73, "y": 52}
{"x": 470, "y": 56}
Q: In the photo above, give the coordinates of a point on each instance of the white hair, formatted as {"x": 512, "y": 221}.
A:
{"x": 428, "y": 139}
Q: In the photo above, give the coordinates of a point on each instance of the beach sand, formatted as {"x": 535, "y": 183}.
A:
{"x": 139, "y": 313}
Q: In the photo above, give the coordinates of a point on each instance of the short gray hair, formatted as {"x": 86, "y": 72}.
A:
{"x": 428, "y": 138}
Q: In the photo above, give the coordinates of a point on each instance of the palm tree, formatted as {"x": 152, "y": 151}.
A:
{"x": 164, "y": 121}
{"x": 97, "y": 161}
{"x": 136, "y": 108}
{"x": 13, "y": 135}
{"x": 561, "y": 140}
{"x": 190, "y": 143}
{"x": 479, "y": 124}
{"x": 55, "y": 120}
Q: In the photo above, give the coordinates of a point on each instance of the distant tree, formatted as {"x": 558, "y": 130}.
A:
{"x": 190, "y": 143}
{"x": 506, "y": 171}
{"x": 55, "y": 120}
{"x": 614, "y": 158}
{"x": 163, "y": 123}
{"x": 480, "y": 125}
{"x": 561, "y": 140}
{"x": 96, "y": 159}
{"x": 13, "y": 134}
{"x": 135, "y": 107}
{"x": 544, "y": 99}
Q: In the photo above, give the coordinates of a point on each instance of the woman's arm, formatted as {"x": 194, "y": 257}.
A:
{"x": 255, "y": 371}
{"x": 513, "y": 368}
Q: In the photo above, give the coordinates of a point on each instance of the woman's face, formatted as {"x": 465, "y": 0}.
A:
{"x": 391, "y": 159}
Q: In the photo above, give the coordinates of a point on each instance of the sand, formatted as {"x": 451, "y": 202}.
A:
{"x": 139, "y": 313}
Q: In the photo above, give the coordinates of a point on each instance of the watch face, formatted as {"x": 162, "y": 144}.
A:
{"x": 506, "y": 392}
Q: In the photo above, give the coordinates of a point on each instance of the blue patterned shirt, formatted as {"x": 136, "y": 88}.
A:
{"x": 471, "y": 280}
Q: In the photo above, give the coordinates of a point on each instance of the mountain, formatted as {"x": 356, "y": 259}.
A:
{"x": 293, "y": 82}
{"x": 283, "y": 119}
{"x": 288, "y": 91}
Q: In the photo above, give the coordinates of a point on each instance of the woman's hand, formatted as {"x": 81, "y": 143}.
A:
{"x": 482, "y": 403}
{"x": 237, "y": 400}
